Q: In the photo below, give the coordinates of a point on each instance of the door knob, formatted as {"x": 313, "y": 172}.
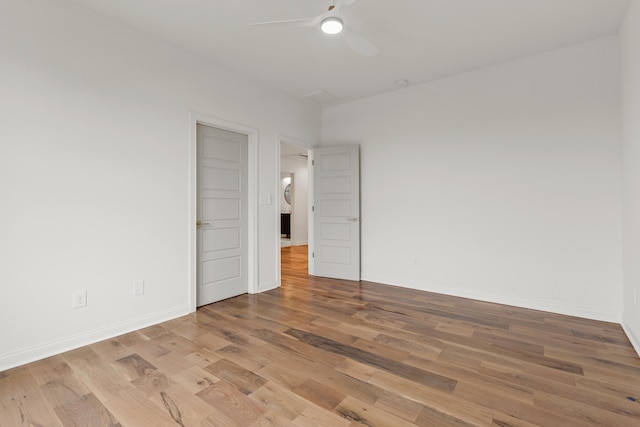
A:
{"x": 200, "y": 223}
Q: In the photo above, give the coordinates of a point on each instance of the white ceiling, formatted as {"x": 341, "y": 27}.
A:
{"x": 419, "y": 40}
{"x": 293, "y": 152}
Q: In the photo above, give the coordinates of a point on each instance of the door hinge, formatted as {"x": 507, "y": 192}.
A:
{"x": 313, "y": 162}
{"x": 313, "y": 254}
{"x": 313, "y": 208}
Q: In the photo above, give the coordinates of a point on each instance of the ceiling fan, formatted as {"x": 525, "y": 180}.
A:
{"x": 331, "y": 23}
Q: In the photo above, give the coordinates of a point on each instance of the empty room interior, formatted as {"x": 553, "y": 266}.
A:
{"x": 463, "y": 214}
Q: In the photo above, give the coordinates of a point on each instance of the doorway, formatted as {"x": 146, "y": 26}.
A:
{"x": 222, "y": 210}
{"x": 221, "y": 226}
{"x": 294, "y": 204}
{"x": 287, "y": 196}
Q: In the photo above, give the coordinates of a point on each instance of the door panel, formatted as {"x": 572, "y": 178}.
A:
{"x": 219, "y": 209}
{"x": 220, "y": 240}
{"x": 222, "y": 212}
{"x": 337, "y": 212}
{"x": 220, "y": 179}
{"x": 221, "y": 269}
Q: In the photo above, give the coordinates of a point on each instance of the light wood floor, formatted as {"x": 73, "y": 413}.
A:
{"x": 320, "y": 352}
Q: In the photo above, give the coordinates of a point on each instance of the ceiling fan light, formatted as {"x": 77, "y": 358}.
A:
{"x": 332, "y": 25}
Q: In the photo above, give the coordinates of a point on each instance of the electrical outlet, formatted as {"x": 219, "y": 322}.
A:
{"x": 80, "y": 298}
{"x": 138, "y": 287}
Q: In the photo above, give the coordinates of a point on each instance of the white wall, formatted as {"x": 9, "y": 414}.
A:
{"x": 94, "y": 173}
{"x": 630, "y": 55}
{"x": 300, "y": 210}
{"x": 501, "y": 184}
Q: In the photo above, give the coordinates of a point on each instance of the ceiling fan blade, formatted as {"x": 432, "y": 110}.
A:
{"x": 306, "y": 22}
{"x": 360, "y": 43}
{"x": 344, "y": 3}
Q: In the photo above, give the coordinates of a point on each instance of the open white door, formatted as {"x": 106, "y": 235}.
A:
{"x": 222, "y": 243}
{"x": 336, "y": 212}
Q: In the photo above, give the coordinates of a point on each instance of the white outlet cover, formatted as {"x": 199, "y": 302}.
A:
{"x": 138, "y": 287}
{"x": 80, "y": 298}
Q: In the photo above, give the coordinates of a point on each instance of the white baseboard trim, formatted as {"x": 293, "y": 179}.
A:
{"x": 635, "y": 342}
{"x": 552, "y": 307}
{"x": 304, "y": 242}
{"x": 28, "y": 355}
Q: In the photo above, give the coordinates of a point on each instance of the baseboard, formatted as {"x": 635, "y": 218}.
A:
{"x": 28, "y": 355}
{"x": 304, "y": 242}
{"x": 635, "y": 342}
{"x": 552, "y": 307}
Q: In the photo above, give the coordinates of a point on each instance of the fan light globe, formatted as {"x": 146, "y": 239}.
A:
{"x": 331, "y": 25}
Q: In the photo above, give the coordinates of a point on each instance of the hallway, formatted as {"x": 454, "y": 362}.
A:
{"x": 294, "y": 263}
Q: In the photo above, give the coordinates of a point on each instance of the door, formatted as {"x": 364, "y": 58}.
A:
{"x": 336, "y": 212}
{"x": 222, "y": 214}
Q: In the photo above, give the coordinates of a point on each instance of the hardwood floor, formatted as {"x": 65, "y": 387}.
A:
{"x": 321, "y": 352}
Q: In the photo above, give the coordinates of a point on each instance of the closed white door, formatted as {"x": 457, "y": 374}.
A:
{"x": 336, "y": 212}
{"x": 222, "y": 214}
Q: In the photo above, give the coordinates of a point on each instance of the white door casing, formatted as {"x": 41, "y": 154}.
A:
{"x": 336, "y": 213}
{"x": 222, "y": 214}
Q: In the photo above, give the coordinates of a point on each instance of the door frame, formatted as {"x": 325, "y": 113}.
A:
{"x": 252, "y": 200}
{"x": 281, "y": 139}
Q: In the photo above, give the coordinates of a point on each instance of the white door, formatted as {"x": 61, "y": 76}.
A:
{"x": 336, "y": 212}
{"x": 222, "y": 214}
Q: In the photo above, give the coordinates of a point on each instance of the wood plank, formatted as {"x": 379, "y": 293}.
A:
{"x": 49, "y": 369}
{"x": 322, "y": 395}
{"x": 405, "y": 371}
{"x": 86, "y": 411}
{"x": 244, "y": 380}
{"x": 315, "y": 416}
{"x": 280, "y": 400}
{"x": 430, "y": 417}
{"x": 364, "y": 414}
{"x": 22, "y": 403}
{"x": 64, "y": 390}
{"x": 272, "y": 419}
{"x": 399, "y": 406}
{"x": 228, "y": 400}
{"x": 443, "y": 402}
{"x": 183, "y": 407}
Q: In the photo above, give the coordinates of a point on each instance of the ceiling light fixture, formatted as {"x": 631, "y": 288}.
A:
{"x": 332, "y": 25}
